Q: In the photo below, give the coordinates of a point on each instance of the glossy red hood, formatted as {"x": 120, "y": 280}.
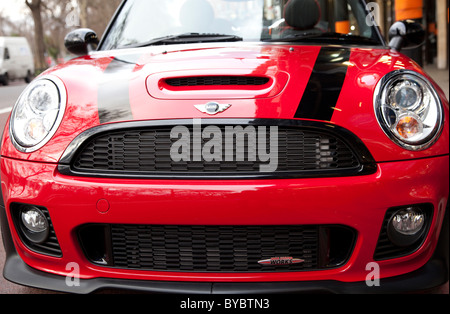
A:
{"x": 332, "y": 84}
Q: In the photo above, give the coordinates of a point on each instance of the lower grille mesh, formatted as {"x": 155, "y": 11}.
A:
{"x": 212, "y": 249}
{"x": 216, "y": 248}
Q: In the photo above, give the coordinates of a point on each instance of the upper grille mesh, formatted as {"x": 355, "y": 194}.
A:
{"x": 147, "y": 151}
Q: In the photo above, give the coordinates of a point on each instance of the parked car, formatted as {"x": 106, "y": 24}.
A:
{"x": 16, "y": 60}
{"x": 213, "y": 146}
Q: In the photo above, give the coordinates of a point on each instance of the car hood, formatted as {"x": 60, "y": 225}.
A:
{"x": 325, "y": 83}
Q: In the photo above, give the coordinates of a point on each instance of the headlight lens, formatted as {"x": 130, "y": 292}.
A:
{"x": 408, "y": 109}
{"x": 37, "y": 114}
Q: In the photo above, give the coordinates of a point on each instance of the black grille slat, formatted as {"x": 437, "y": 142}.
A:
{"x": 147, "y": 151}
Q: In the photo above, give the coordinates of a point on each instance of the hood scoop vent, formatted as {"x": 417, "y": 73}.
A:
{"x": 217, "y": 81}
{"x": 220, "y": 84}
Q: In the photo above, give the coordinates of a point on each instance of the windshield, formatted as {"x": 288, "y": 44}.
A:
{"x": 152, "y": 22}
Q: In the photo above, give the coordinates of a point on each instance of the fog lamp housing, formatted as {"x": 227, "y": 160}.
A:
{"x": 34, "y": 224}
{"x": 406, "y": 226}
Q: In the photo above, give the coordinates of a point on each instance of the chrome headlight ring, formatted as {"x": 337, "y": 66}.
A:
{"x": 408, "y": 109}
{"x": 37, "y": 113}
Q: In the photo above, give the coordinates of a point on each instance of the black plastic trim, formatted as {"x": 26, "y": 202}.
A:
{"x": 109, "y": 26}
{"x": 367, "y": 162}
{"x": 431, "y": 275}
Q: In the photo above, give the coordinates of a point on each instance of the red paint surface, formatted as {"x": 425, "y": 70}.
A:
{"x": 358, "y": 202}
{"x": 403, "y": 177}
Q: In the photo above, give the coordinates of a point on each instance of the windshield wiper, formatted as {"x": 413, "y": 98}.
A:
{"x": 187, "y": 38}
{"x": 329, "y": 36}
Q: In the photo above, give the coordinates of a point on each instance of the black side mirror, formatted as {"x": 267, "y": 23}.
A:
{"x": 406, "y": 34}
{"x": 81, "y": 41}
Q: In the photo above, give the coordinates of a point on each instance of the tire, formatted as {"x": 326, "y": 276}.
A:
{"x": 29, "y": 77}
{"x": 442, "y": 248}
{"x": 6, "y": 79}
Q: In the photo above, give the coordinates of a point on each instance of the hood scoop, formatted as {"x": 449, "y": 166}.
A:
{"x": 223, "y": 84}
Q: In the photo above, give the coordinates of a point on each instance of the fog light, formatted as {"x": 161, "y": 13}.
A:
{"x": 34, "y": 220}
{"x": 406, "y": 226}
{"x": 34, "y": 224}
{"x": 408, "y": 221}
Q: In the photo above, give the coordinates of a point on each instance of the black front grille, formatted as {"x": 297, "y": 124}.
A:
{"x": 217, "y": 81}
{"x": 216, "y": 248}
{"x": 146, "y": 151}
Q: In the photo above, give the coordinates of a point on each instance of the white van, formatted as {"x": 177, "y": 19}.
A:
{"x": 16, "y": 60}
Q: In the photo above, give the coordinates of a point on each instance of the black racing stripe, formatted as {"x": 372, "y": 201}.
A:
{"x": 325, "y": 84}
{"x": 114, "y": 90}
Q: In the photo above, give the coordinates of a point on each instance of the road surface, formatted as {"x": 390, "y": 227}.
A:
{"x": 8, "y": 97}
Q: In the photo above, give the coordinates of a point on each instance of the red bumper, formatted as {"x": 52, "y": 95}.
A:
{"x": 358, "y": 202}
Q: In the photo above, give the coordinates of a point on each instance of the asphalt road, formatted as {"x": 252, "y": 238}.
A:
{"x": 8, "y": 97}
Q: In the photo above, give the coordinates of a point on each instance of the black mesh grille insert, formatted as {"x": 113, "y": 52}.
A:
{"x": 218, "y": 248}
{"x": 147, "y": 151}
{"x": 217, "y": 81}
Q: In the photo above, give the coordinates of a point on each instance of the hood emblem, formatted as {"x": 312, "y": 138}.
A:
{"x": 281, "y": 261}
{"x": 212, "y": 108}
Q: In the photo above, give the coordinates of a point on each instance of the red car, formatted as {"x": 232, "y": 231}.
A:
{"x": 218, "y": 146}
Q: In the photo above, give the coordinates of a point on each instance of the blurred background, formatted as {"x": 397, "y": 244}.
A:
{"x": 45, "y": 23}
{"x": 432, "y": 14}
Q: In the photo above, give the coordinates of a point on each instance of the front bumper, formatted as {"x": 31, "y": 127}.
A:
{"x": 358, "y": 202}
{"x": 431, "y": 275}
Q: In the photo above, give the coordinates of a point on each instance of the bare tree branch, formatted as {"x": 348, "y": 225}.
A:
{"x": 35, "y": 7}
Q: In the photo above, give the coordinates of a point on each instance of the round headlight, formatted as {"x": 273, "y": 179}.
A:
{"x": 37, "y": 114}
{"x": 408, "y": 109}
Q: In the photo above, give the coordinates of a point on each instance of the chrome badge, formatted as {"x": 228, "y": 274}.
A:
{"x": 281, "y": 261}
{"x": 212, "y": 108}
